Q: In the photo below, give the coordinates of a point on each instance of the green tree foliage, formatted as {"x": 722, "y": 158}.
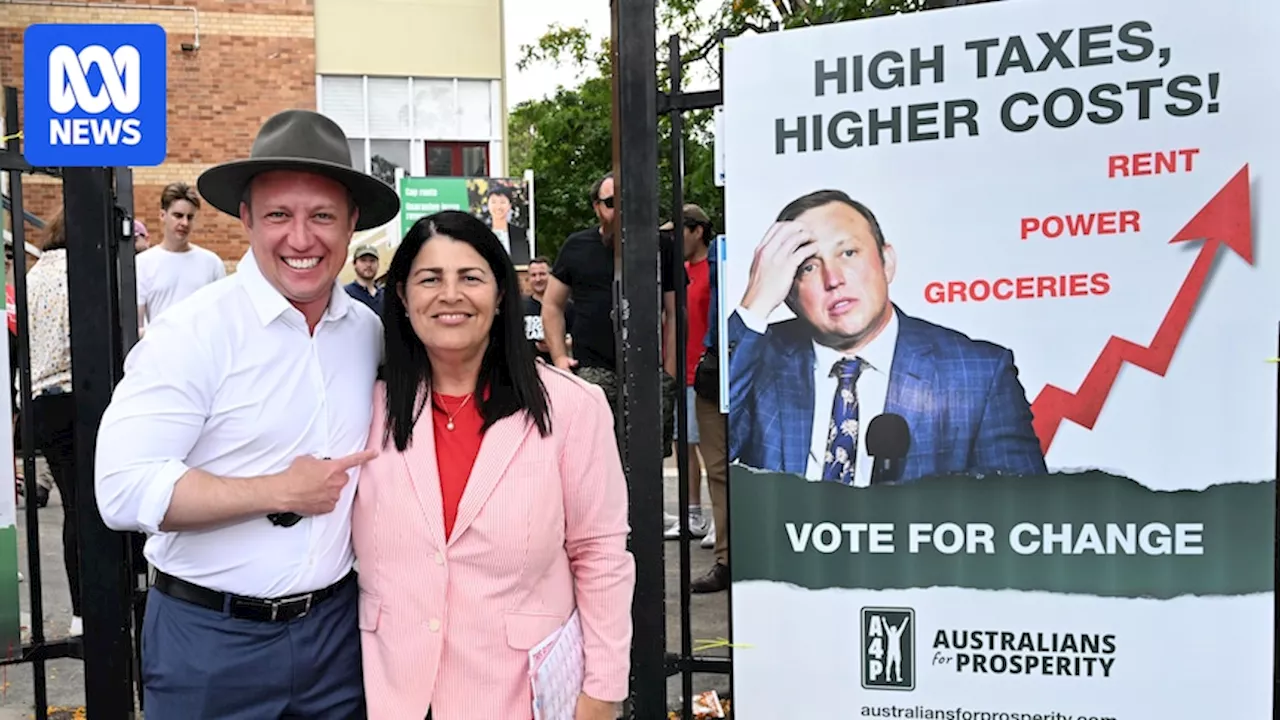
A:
{"x": 566, "y": 139}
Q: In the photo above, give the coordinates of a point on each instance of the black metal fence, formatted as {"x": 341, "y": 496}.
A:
{"x": 98, "y": 217}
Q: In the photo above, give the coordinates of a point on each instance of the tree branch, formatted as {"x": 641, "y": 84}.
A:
{"x": 704, "y": 50}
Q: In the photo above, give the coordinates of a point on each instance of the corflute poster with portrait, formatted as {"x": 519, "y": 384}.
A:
{"x": 504, "y": 204}
{"x": 1002, "y": 420}
{"x": 10, "y": 616}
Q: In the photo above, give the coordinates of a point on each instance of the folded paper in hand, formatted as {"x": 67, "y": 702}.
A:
{"x": 556, "y": 672}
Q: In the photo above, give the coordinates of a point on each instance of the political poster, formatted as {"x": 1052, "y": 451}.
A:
{"x": 504, "y": 204}
{"x": 1002, "y": 423}
{"x": 10, "y": 618}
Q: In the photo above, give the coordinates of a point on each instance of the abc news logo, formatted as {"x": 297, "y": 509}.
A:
{"x": 888, "y": 649}
{"x": 121, "y": 90}
{"x": 95, "y": 95}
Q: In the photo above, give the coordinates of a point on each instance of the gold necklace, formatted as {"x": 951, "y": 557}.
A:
{"x": 449, "y": 425}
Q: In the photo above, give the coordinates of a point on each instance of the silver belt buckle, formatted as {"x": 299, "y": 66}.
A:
{"x": 277, "y": 604}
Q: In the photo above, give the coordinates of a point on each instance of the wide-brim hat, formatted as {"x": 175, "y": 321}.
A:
{"x": 310, "y": 142}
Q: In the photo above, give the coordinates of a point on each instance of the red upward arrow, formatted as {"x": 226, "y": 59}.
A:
{"x": 1225, "y": 220}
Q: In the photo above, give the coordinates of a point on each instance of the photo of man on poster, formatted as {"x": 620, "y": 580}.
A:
{"x": 804, "y": 391}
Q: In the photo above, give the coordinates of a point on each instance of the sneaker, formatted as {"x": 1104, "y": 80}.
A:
{"x": 698, "y": 525}
{"x": 77, "y": 626}
{"x": 709, "y": 541}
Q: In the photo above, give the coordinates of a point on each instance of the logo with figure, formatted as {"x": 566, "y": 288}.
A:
{"x": 95, "y": 95}
{"x": 888, "y": 649}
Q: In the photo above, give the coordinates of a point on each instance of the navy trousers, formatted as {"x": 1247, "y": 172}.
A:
{"x": 200, "y": 664}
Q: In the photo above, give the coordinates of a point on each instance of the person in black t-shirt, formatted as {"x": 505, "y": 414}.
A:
{"x": 539, "y": 273}
{"x": 584, "y": 271}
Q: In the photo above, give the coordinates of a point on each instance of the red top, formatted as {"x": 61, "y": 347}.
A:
{"x": 456, "y": 449}
{"x": 697, "y": 305}
{"x": 11, "y": 309}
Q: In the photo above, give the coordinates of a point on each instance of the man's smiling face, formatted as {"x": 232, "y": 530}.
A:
{"x": 299, "y": 227}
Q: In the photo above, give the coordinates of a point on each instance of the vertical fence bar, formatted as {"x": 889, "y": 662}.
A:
{"x": 93, "y": 226}
{"x": 676, "y": 114}
{"x": 723, "y": 361}
{"x": 40, "y": 687}
{"x": 125, "y": 256}
{"x": 635, "y": 153}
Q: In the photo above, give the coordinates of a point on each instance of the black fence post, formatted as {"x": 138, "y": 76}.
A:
{"x": 93, "y": 226}
{"x": 675, "y": 69}
{"x": 635, "y": 154}
{"x": 40, "y": 687}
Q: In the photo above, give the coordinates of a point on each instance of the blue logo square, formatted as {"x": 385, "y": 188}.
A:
{"x": 94, "y": 95}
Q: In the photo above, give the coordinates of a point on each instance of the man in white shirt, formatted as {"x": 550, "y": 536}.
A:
{"x": 234, "y": 441}
{"x": 172, "y": 270}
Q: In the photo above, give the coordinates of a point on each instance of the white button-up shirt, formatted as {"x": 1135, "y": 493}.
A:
{"x": 231, "y": 381}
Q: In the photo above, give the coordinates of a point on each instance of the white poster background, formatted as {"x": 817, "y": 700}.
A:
{"x": 952, "y": 209}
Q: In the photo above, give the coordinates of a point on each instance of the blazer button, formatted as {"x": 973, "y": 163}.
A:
{"x": 434, "y": 625}
{"x": 439, "y": 558}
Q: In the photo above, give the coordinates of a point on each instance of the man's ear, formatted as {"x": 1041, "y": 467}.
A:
{"x": 246, "y": 216}
{"x": 890, "y": 263}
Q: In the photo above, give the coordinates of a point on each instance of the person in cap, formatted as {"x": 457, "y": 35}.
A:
{"x": 141, "y": 238}
{"x": 234, "y": 442}
{"x": 365, "y": 287}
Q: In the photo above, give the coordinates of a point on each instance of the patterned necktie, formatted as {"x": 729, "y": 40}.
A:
{"x": 842, "y": 436}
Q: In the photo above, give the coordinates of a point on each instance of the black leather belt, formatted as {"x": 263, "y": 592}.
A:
{"x": 248, "y": 608}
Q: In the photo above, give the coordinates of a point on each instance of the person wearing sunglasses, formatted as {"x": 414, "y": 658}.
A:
{"x": 584, "y": 272}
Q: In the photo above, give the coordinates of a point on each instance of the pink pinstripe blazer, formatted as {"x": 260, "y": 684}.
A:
{"x": 541, "y": 529}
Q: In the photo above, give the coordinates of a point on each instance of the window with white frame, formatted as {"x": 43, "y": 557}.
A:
{"x": 424, "y": 126}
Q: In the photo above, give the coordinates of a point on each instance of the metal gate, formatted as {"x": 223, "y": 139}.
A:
{"x": 98, "y": 214}
{"x": 637, "y": 105}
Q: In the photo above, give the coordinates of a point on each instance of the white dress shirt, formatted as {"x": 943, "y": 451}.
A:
{"x": 872, "y": 388}
{"x": 233, "y": 383}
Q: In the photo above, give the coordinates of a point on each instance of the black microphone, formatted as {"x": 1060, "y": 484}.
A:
{"x": 888, "y": 439}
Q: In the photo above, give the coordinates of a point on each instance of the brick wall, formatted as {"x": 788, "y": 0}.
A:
{"x": 256, "y": 57}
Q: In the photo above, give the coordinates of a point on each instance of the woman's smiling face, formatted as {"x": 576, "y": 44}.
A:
{"x": 451, "y": 297}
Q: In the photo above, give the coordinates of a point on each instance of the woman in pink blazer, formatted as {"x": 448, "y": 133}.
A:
{"x": 497, "y": 505}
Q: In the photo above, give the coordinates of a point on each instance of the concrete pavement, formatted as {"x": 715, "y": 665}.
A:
{"x": 65, "y": 678}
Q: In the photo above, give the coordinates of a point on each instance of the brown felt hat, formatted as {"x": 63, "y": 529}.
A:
{"x": 310, "y": 142}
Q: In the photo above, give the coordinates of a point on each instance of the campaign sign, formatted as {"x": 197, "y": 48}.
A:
{"x": 95, "y": 95}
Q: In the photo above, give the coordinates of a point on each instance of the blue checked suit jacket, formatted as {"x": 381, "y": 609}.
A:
{"x": 961, "y": 398}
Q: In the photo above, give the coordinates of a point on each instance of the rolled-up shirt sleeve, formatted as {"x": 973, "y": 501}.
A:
{"x": 154, "y": 419}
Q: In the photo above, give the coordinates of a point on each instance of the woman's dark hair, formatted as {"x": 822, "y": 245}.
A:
{"x": 508, "y": 381}
{"x": 502, "y": 190}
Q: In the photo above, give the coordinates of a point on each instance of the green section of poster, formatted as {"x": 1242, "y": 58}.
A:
{"x": 1087, "y": 533}
{"x": 10, "y": 623}
{"x": 504, "y": 204}
{"x": 421, "y": 196}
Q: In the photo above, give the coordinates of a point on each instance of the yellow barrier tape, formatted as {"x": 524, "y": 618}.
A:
{"x": 15, "y": 136}
{"x": 1273, "y": 360}
{"x": 701, "y": 645}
